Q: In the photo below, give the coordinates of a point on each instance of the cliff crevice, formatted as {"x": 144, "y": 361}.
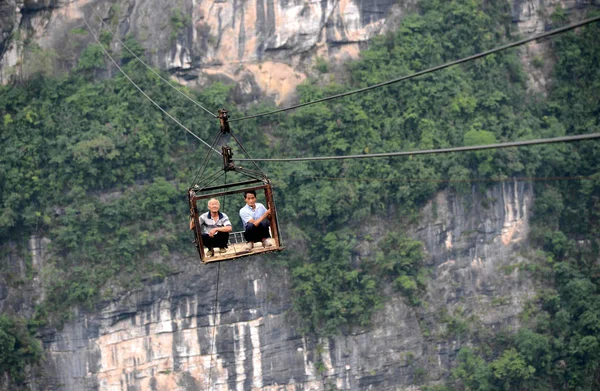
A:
{"x": 160, "y": 336}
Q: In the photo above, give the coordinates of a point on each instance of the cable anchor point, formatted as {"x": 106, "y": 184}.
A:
{"x": 228, "y": 164}
{"x": 224, "y": 121}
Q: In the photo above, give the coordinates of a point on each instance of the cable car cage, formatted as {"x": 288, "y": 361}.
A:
{"x": 205, "y": 189}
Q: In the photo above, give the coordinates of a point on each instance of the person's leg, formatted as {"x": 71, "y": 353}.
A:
{"x": 256, "y": 233}
{"x": 263, "y": 230}
{"x": 249, "y": 236}
{"x": 249, "y": 233}
{"x": 208, "y": 242}
{"x": 221, "y": 239}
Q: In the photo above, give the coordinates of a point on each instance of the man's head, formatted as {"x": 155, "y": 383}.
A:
{"x": 250, "y": 198}
{"x": 214, "y": 205}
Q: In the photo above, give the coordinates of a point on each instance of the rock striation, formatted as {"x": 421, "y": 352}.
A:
{"x": 533, "y": 17}
{"x": 160, "y": 337}
{"x": 265, "y": 47}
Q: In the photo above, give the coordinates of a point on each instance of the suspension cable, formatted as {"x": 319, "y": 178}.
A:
{"x": 247, "y": 154}
{"x": 562, "y": 139}
{"x": 206, "y": 159}
{"x": 441, "y": 180}
{"x": 142, "y": 91}
{"x": 148, "y": 66}
{"x": 436, "y": 68}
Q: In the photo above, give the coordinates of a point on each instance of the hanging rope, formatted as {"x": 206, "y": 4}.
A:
{"x": 247, "y": 154}
{"x": 212, "y": 348}
{"x": 216, "y": 304}
{"x": 441, "y": 180}
{"x": 206, "y": 159}
{"x": 223, "y": 196}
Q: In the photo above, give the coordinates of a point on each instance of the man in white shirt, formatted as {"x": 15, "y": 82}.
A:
{"x": 215, "y": 227}
{"x": 255, "y": 219}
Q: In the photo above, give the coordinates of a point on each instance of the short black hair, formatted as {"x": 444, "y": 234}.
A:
{"x": 253, "y": 192}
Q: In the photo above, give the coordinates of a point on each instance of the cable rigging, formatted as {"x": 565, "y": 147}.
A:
{"x": 142, "y": 91}
{"x": 266, "y": 232}
{"x": 263, "y": 177}
{"x": 404, "y": 153}
{"x": 436, "y": 68}
{"x": 259, "y": 176}
{"x": 467, "y": 180}
{"x": 562, "y": 139}
{"x": 148, "y": 66}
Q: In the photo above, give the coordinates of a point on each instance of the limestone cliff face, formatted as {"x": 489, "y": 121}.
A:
{"x": 266, "y": 47}
{"x": 160, "y": 337}
{"x": 533, "y": 17}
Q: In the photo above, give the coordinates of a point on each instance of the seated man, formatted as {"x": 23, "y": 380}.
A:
{"x": 255, "y": 219}
{"x": 215, "y": 228}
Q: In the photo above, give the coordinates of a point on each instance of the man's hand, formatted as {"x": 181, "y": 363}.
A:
{"x": 213, "y": 232}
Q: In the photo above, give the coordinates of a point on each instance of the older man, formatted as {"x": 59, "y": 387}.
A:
{"x": 215, "y": 228}
{"x": 255, "y": 219}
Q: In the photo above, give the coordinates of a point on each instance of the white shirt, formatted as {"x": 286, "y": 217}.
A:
{"x": 247, "y": 213}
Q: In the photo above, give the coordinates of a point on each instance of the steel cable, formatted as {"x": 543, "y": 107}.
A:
{"x": 142, "y": 91}
{"x": 148, "y": 66}
{"x": 436, "y": 68}
{"x": 562, "y": 139}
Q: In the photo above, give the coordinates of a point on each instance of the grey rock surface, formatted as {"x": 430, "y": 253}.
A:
{"x": 7, "y": 22}
{"x": 160, "y": 336}
{"x": 267, "y": 46}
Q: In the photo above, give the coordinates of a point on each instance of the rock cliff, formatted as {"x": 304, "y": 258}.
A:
{"x": 265, "y": 47}
{"x": 533, "y": 17}
{"x": 160, "y": 336}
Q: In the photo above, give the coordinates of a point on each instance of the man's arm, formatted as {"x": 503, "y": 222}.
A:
{"x": 261, "y": 218}
{"x": 226, "y": 227}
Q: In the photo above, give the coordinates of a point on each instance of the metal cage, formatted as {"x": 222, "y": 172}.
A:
{"x": 236, "y": 244}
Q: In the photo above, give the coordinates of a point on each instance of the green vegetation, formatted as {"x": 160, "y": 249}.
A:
{"x": 331, "y": 292}
{"x": 18, "y": 348}
{"x": 38, "y": 61}
{"x": 96, "y": 168}
{"x": 321, "y": 65}
{"x": 401, "y": 260}
{"x": 558, "y": 346}
{"x": 485, "y": 101}
{"x": 178, "y": 21}
{"x": 101, "y": 173}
